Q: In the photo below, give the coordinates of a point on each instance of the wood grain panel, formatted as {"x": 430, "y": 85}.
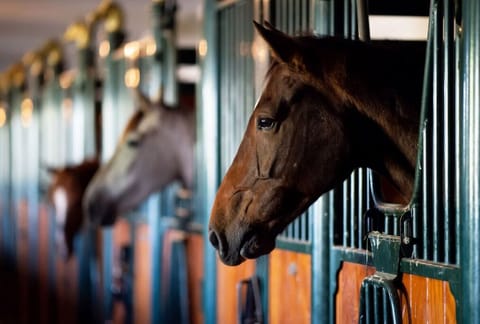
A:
{"x": 142, "y": 275}
{"x": 347, "y": 301}
{"x": 22, "y": 255}
{"x": 227, "y": 279}
{"x": 424, "y": 300}
{"x": 66, "y": 282}
{"x": 121, "y": 237}
{"x": 289, "y": 287}
{"x": 427, "y": 301}
{"x": 43, "y": 262}
{"x": 195, "y": 276}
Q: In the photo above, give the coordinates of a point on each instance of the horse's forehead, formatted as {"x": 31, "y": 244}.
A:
{"x": 150, "y": 121}
{"x": 280, "y": 83}
{"x": 134, "y": 121}
{"x": 281, "y": 80}
{"x": 60, "y": 201}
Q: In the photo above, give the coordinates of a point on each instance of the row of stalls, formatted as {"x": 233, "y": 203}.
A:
{"x": 324, "y": 269}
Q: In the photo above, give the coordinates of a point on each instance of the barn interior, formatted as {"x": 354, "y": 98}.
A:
{"x": 78, "y": 82}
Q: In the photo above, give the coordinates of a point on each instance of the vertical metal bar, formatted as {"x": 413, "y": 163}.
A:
{"x": 363, "y": 23}
{"x": 434, "y": 180}
{"x": 353, "y": 20}
{"x": 322, "y": 220}
{"x": 376, "y": 304}
{"x": 346, "y": 18}
{"x": 207, "y": 156}
{"x": 360, "y": 208}
{"x": 458, "y": 126}
{"x": 368, "y": 303}
{"x": 470, "y": 171}
{"x": 385, "y": 307}
{"x": 448, "y": 115}
{"x": 352, "y": 205}
{"x": 345, "y": 232}
{"x": 427, "y": 145}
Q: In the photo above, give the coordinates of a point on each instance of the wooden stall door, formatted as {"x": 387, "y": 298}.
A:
{"x": 425, "y": 300}
{"x": 289, "y": 287}
{"x": 227, "y": 279}
{"x": 195, "y": 277}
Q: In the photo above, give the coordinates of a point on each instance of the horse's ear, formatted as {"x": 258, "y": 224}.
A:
{"x": 283, "y": 47}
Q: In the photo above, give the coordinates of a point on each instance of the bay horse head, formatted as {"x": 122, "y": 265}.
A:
{"x": 156, "y": 148}
{"x": 65, "y": 193}
{"x": 328, "y": 106}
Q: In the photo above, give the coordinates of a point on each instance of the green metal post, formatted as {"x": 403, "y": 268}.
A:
{"x": 207, "y": 152}
{"x": 470, "y": 168}
{"x": 32, "y": 133}
{"x": 164, "y": 32}
{"x": 109, "y": 135}
{"x": 322, "y": 309}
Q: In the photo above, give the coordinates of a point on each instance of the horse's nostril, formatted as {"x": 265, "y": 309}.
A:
{"x": 212, "y": 236}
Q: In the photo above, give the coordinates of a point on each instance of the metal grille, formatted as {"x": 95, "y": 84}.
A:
{"x": 236, "y": 89}
{"x": 351, "y": 201}
{"x": 379, "y": 302}
{"x": 436, "y": 227}
{"x": 435, "y": 222}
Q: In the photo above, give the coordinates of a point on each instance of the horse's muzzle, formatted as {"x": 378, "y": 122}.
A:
{"x": 229, "y": 257}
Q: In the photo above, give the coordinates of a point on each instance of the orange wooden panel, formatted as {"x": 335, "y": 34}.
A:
{"x": 43, "y": 258}
{"x": 227, "y": 279}
{"x": 289, "y": 287}
{"x": 424, "y": 300}
{"x": 427, "y": 301}
{"x": 348, "y": 293}
{"x": 195, "y": 277}
{"x": 142, "y": 275}
{"x": 66, "y": 282}
{"x": 121, "y": 233}
{"x": 22, "y": 259}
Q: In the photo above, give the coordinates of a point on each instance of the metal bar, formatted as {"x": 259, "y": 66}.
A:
{"x": 345, "y": 232}
{"x": 346, "y": 20}
{"x": 434, "y": 181}
{"x": 458, "y": 129}
{"x": 448, "y": 143}
{"x": 376, "y": 304}
{"x": 321, "y": 220}
{"x": 470, "y": 169}
{"x": 207, "y": 156}
{"x": 363, "y": 23}
{"x": 352, "y": 204}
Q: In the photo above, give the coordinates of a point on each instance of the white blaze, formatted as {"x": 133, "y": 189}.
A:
{"x": 60, "y": 202}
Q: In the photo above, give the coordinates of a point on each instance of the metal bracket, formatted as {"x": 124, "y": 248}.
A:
{"x": 379, "y": 298}
{"x": 249, "y": 303}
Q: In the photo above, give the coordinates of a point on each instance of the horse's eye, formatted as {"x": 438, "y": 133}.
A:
{"x": 134, "y": 140}
{"x": 265, "y": 123}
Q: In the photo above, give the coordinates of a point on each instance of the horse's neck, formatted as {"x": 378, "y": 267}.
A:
{"x": 185, "y": 121}
{"x": 394, "y": 107}
{"x": 384, "y": 88}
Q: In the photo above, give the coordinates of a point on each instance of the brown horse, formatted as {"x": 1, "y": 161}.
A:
{"x": 156, "y": 148}
{"x": 329, "y": 106}
{"x": 65, "y": 193}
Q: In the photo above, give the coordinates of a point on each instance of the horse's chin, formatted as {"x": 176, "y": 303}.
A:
{"x": 108, "y": 219}
{"x": 253, "y": 248}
